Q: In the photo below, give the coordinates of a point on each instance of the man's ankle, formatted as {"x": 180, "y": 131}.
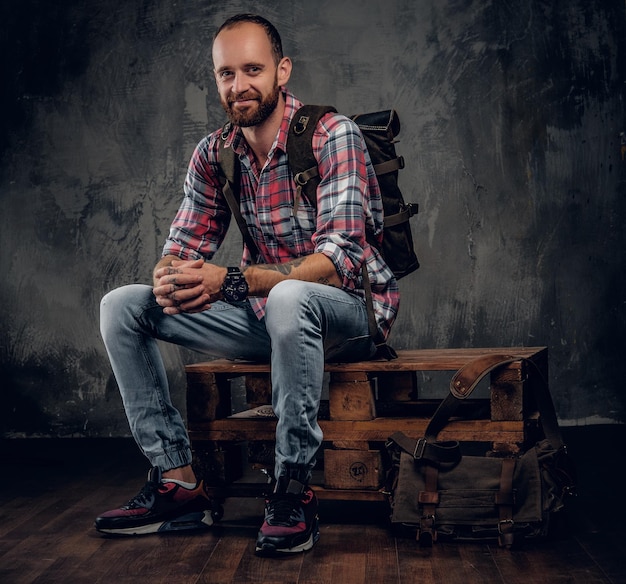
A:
{"x": 183, "y": 473}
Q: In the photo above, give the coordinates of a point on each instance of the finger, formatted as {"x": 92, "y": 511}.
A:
{"x": 189, "y": 307}
{"x": 184, "y": 280}
{"x": 196, "y": 304}
{"x": 166, "y": 271}
{"x": 167, "y": 284}
{"x": 162, "y": 291}
{"x": 166, "y": 296}
{"x": 195, "y": 310}
{"x": 179, "y": 263}
{"x": 180, "y": 296}
{"x": 165, "y": 301}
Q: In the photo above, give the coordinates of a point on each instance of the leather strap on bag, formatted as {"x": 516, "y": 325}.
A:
{"x": 429, "y": 499}
{"x": 505, "y": 500}
{"x": 469, "y": 376}
{"x": 436, "y": 453}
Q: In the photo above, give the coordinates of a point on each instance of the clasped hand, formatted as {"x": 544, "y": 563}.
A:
{"x": 188, "y": 286}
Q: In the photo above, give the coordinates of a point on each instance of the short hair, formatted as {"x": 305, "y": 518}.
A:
{"x": 268, "y": 27}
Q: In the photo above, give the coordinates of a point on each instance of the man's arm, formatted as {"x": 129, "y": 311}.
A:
{"x": 191, "y": 286}
{"x": 315, "y": 267}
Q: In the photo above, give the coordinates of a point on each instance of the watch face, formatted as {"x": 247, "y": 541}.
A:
{"x": 235, "y": 287}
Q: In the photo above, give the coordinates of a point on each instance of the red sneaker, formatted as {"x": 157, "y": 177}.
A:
{"x": 291, "y": 522}
{"x": 159, "y": 507}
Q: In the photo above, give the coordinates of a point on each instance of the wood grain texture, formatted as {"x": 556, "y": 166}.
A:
{"x": 52, "y": 490}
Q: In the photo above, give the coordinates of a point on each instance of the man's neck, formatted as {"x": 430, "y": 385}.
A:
{"x": 260, "y": 138}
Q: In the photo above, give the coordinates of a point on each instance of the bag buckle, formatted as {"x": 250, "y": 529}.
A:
{"x": 301, "y": 124}
{"x": 420, "y": 447}
{"x": 506, "y": 533}
{"x": 426, "y": 533}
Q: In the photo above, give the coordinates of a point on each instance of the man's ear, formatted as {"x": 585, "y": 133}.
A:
{"x": 283, "y": 71}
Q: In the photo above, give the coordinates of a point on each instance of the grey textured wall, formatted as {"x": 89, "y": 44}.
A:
{"x": 511, "y": 114}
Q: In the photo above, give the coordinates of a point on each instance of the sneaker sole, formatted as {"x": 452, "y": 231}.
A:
{"x": 268, "y": 549}
{"x": 189, "y": 522}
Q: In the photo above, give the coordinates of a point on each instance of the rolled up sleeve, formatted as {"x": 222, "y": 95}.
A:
{"x": 202, "y": 220}
{"x": 343, "y": 198}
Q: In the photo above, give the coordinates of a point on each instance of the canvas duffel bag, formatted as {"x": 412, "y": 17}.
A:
{"x": 442, "y": 493}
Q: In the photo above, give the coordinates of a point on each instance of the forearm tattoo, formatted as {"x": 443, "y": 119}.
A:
{"x": 324, "y": 281}
{"x": 288, "y": 267}
{"x": 285, "y": 268}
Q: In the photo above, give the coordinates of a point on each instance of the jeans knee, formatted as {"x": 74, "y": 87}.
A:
{"x": 120, "y": 302}
{"x": 119, "y": 298}
{"x": 286, "y": 303}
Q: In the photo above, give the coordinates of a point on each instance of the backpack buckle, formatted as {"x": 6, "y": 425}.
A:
{"x": 300, "y": 125}
{"x": 420, "y": 447}
{"x": 226, "y": 130}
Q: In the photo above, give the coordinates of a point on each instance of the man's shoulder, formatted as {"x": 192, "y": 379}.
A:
{"x": 328, "y": 121}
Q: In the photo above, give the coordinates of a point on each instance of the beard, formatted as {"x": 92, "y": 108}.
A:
{"x": 253, "y": 116}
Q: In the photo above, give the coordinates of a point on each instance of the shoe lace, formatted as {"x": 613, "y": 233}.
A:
{"x": 282, "y": 508}
{"x": 144, "y": 497}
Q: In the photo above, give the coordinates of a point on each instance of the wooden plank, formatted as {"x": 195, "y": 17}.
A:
{"x": 340, "y": 557}
{"x": 351, "y": 400}
{"x": 253, "y": 568}
{"x": 225, "y": 559}
{"x": 417, "y": 564}
{"x": 408, "y": 360}
{"x": 257, "y": 490}
{"x": 377, "y": 430}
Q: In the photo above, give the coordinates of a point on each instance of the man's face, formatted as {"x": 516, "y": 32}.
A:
{"x": 248, "y": 79}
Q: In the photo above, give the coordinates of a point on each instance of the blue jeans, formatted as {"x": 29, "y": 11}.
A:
{"x": 304, "y": 325}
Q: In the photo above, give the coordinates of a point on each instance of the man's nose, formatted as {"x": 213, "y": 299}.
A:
{"x": 240, "y": 83}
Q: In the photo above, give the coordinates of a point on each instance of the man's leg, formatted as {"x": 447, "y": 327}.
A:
{"x": 131, "y": 323}
{"x": 308, "y": 324}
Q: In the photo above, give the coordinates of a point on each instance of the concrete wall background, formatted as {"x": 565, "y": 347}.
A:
{"x": 511, "y": 114}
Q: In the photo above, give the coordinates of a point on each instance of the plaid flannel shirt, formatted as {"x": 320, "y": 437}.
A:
{"x": 348, "y": 200}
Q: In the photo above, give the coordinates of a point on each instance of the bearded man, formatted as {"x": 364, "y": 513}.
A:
{"x": 299, "y": 303}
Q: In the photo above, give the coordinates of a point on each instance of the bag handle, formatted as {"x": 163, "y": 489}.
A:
{"x": 462, "y": 385}
{"x": 469, "y": 376}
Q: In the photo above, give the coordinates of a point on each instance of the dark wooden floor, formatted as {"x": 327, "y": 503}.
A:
{"x": 51, "y": 490}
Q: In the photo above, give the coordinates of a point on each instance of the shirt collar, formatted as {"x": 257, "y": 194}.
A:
{"x": 292, "y": 105}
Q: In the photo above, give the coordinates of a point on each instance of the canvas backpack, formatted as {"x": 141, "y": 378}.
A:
{"x": 379, "y": 130}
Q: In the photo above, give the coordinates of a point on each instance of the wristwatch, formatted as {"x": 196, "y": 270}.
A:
{"x": 235, "y": 287}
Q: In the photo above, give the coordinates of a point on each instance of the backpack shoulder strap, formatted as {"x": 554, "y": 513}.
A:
{"x": 229, "y": 165}
{"x": 230, "y": 179}
{"x": 300, "y": 149}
